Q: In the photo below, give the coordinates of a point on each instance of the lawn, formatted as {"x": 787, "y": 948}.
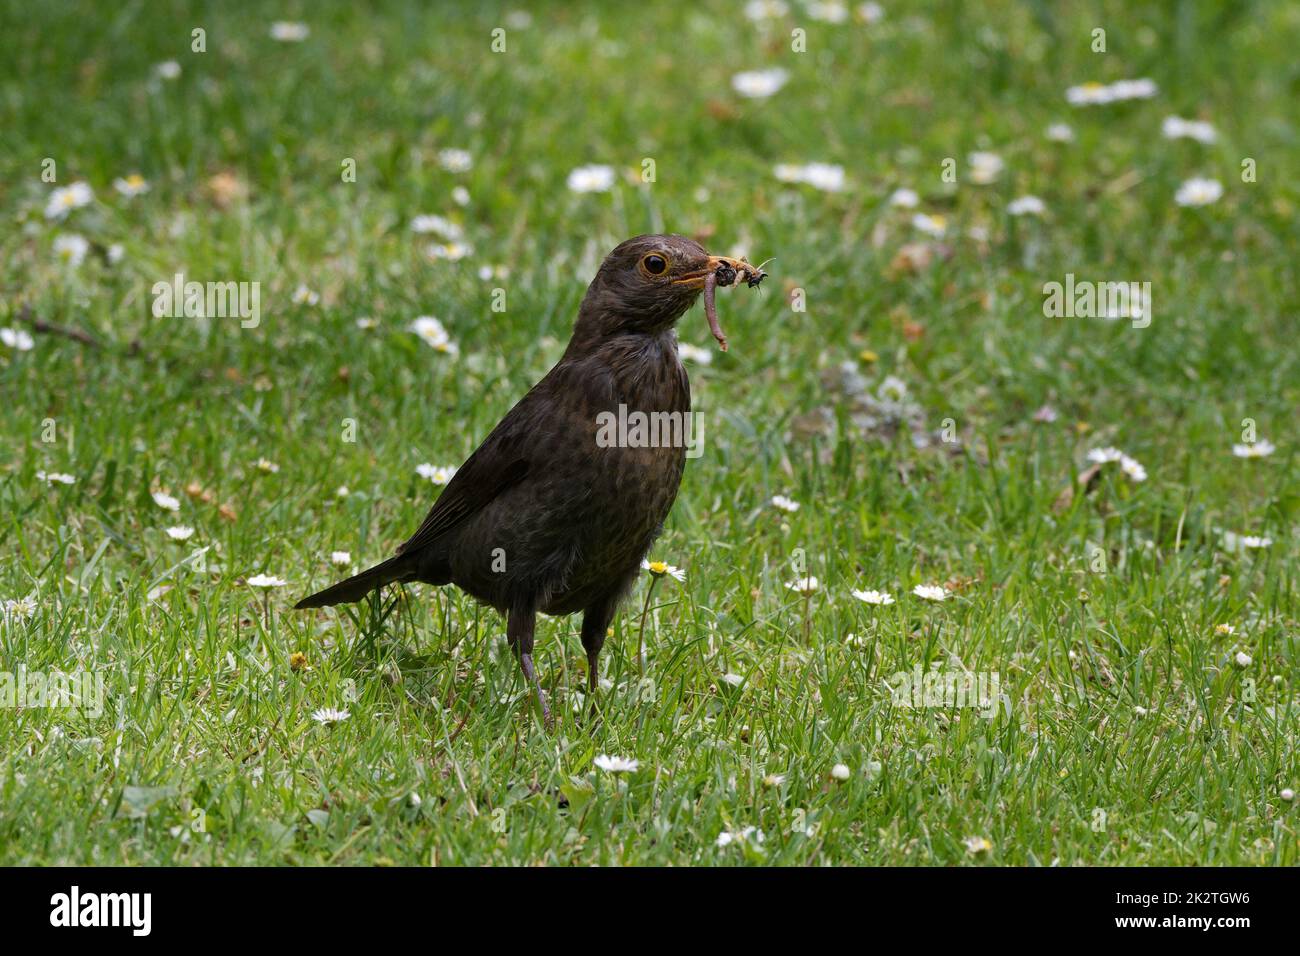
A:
{"x": 898, "y": 386}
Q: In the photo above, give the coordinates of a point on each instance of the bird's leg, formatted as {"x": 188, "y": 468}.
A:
{"x": 519, "y": 632}
{"x": 595, "y": 624}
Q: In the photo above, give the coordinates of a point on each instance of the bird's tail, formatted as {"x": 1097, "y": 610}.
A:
{"x": 399, "y": 568}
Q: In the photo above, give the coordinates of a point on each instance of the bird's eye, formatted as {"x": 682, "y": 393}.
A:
{"x": 655, "y": 265}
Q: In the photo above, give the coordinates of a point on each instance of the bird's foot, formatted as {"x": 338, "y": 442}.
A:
{"x": 526, "y": 664}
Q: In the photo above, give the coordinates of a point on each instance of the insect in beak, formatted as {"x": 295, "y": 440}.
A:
{"x": 722, "y": 271}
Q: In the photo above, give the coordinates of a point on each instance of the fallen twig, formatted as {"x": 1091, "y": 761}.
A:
{"x": 68, "y": 331}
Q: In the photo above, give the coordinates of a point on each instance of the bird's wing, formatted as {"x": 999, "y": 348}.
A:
{"x": 499, "y": 464}
{"x": 487, "y": 473}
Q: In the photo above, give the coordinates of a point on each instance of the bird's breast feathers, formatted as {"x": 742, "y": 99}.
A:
{"x": 606, "y": 439}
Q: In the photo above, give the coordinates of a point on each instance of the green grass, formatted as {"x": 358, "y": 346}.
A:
{"x": 440, "y": 762}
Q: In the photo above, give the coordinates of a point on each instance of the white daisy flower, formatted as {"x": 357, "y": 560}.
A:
{"x": 341, "y": 491}
{"x": 341, "y": 559}
{"x": 437, "y": 224}
{"x": 975, "y": 845}
{"x": 931, "y": 592}
{"x": 1060, "y": 133}
{"x": 438, "y": 474}
{"x": 451, "y": 251}
{"x": 1103, "y": 456}
{"x": 693, "y": 353}
{"x": 167, "y": 70}
{"x": 447, "y": 347}
{"x": 429, "y": 329}
{"x": 905, "y": 199}
{"x": 1225, "y": 629}
{"x": 329, "y": 716}
{"x": 659, "y": 569}
{"x": 1026, "y": 206}
{"x": 841, "y": 772}
{"x": 827, "y": 177}
{"x": 892, "y": 389}
{"x": 1245, "y": 542}
{"x": 180, "y": 532}
{"x": 285, "y": 31}
{"x": 745, "y": 835}
{"x": 788, "y": 172}
{"x": 611, "y": 764}
{"x": 591, "y": 179}
{"x": 264, "y": 465}
{"x": 460, "y": 196}
{"x": 1287, "y": 794}
{"x": 1132, "y": 469}
{"x": 133, "y": 185}
{"x": 71, "y": 248}
{"x": 935, "y": 225}
{"x": 166, "y": 501}
{"x": 1256, "y": 449}
{"x": 116, "y": 253}
{"x": 67, "y": 198}
{"x": 774, "y": 780}
{"x": 17, "y": 609}
{"x": 805, "y": 586}
{"x": 759, "y": 84}
{"x": 879, "y": 598}
{"x": 757, "y": 10}
{"x": 828, "y": 11}
{"x": 871, "y": 12}
{"x": 20, "y": 340}
{"x": 1089, "y": 94}
{"x": 984, "y": 167}
{"x": 366, "y": 323}
{"x": 1243, "y": 659}
{"x": 55, "y": 478}
{"x": 1199, "y": 192}
{"x": 266, "y": 581}
{"x": 1094, "y": 94}
{"x": 1175, "y": 127}
{"x": 1142, "y": 89}
{"x": 305, "y": 296}
{"x": 455, "y": 160}
{"x": 782, "y": 503}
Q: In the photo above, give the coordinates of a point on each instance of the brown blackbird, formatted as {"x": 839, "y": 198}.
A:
{"x": 545, "y": 515}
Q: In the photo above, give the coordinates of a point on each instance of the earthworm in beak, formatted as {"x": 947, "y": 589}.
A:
{"x": 721, "y": 271}
{"x": 711, "y": 309}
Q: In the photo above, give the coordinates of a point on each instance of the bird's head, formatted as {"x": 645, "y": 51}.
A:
{"x": 647, "y": 283}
